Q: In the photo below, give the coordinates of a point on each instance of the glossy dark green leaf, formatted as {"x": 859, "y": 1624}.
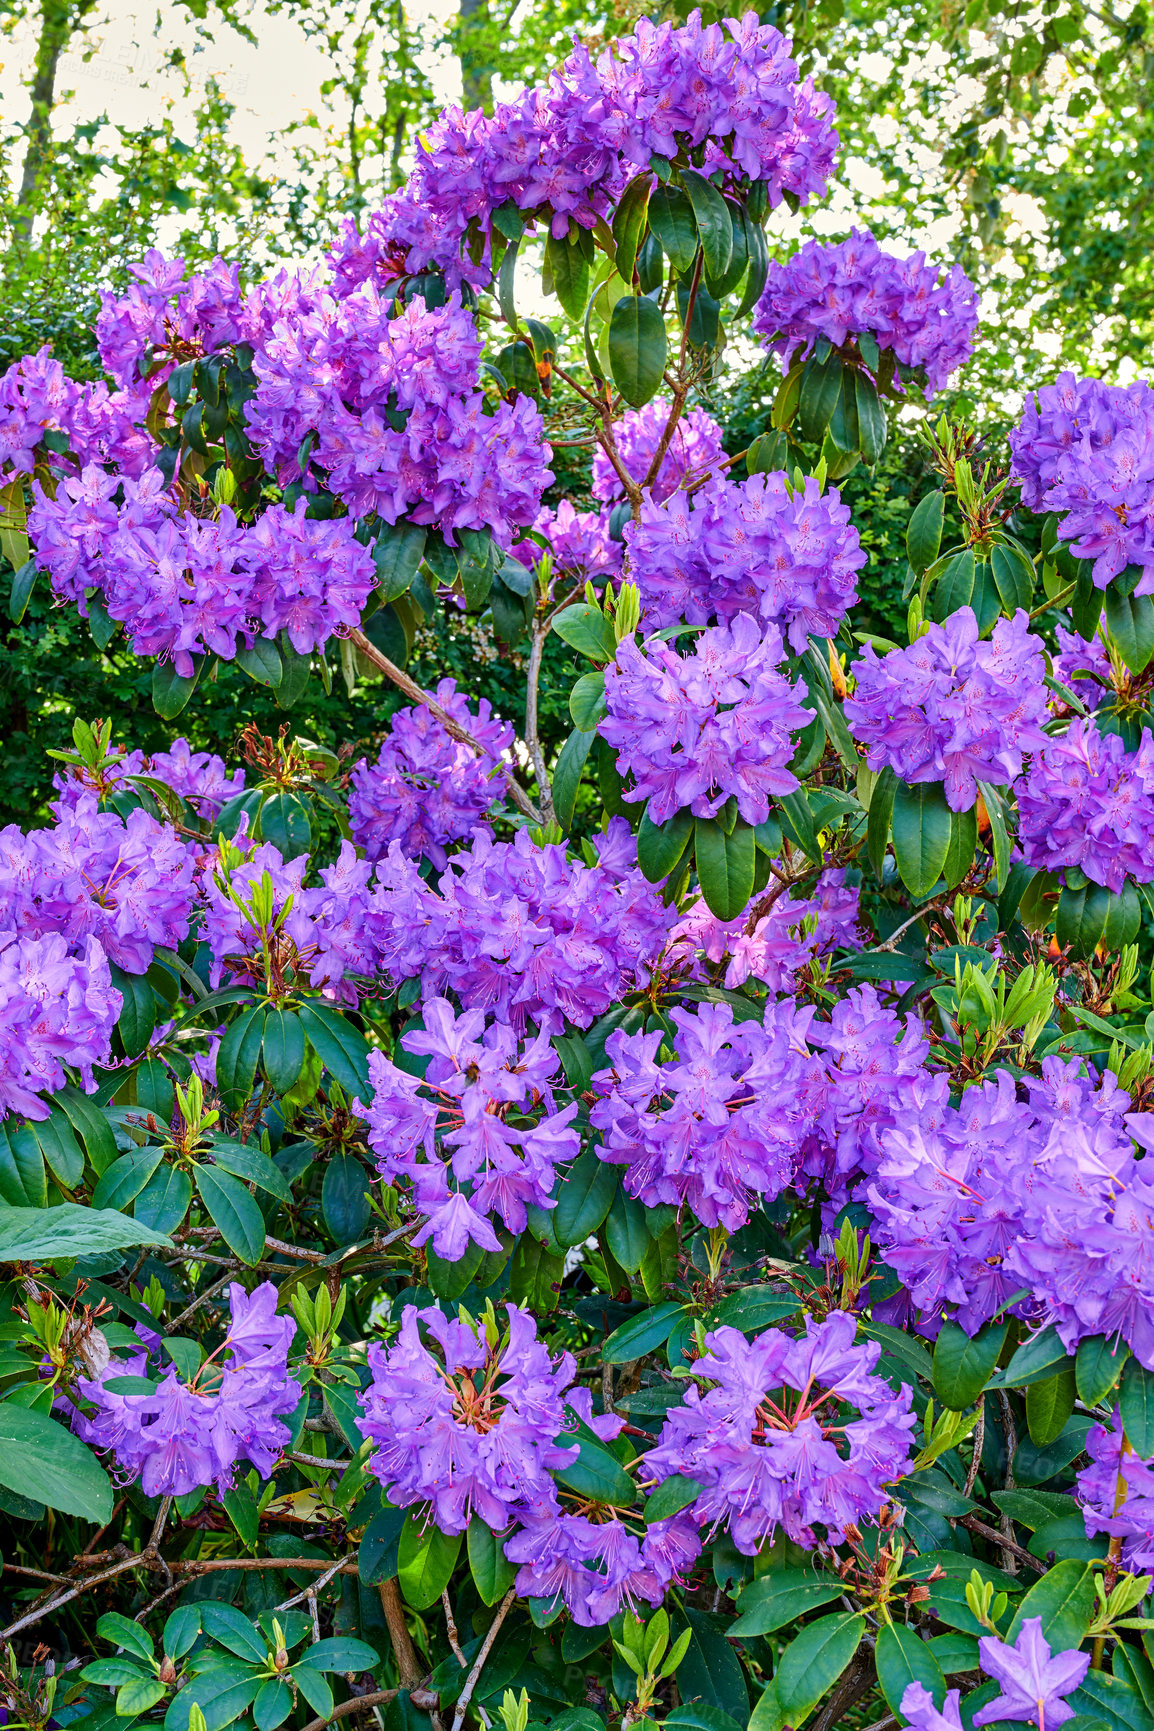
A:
{"x": 922, "y": 825}
{"x": 1049, "y": 1403}
{"x": 725, "y": 866}
{"x": 137, "y": 1011}
{"x": 342, "y": 1049}
{"x": 23, "y": 583}
{"x": 1137, "y": 1404}
{"x": 569, "y": 272}
{"x": 587, "y": 701}
{"x": 491, "y": 1570}
{"x": 163, "y": 1202}
{"x": 262, "y": 662}
{"x": 814, "y": 1660}
{"x": 714, "y": 225}
{"x": 638, "y": 348}
{"x": 597, "y": 1474}
{"x": 91, "y": 1125}
{"x": 963, "y": 1365}
{"x": 1064, "y": 1599}
{"x": 1130, "y": 623}
{"x": 902, "y": 1658}
{"x": 1013, "y": 573}
{"x": 820, "y": 391}
{"x": 344, "y": 1199}
{"x": 880, "y": 815}
{"x": 642, "y": 1334}
{"x": 426, "y": 1560}
{"x": 963, "y": 845}
{"x": 567, "y": 774}
{"x": 871, "y": 418}
{"x": 282, "y": 1053}
{"x": 779, "y": 1597}
{"x": 587, "y": 630}
{"x": 232, "y": 1211}
{"x": 69, "y": 1230}
{"x": 378, "y": 1555}
{"x": 284, "y": 821}
{"x": 661, "y": 845}
{"x": 296, "y": 671}
{"x": 397, "y": 553}
{"x": 672, "y": 220}
{"x": 710, "y": 1674}
{"x": 449, "y": 1279}
{"x": 1098, "y": 1366}
{"x": 1038, "y": 1357}
{"x": 629, "y": 220}
{"x": 1081, "y": 918}
{"x": 238, "y": 1054}
{"x": 924, "y": 532}
{"x": 535, "y": 1274}
{"x": 626, "y": 1231}
{"x": 584, "y": 1198}
{"x": 171, "y": 691}
{"x": 42, "y": 1460}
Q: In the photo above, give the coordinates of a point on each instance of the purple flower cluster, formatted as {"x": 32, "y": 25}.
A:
{"x": 951, "y": 708}
{"x": 843, "y": 291}
{"x": 35, "y": 397}
{"x": 1034, "y": 1682}
{"x": 787, "y": 555}
{"x": 796, "y": 1434}
{"x": 693, "y": 450}
{"x": 1086, "y": 450}
{"x": 1088, "y": 803}
{"x": 199, "y": 777}
{"x": 727, "y": 93}
{"x": 449, "y": 1134}
{"x": 387, "y": 406}
{"x": 780, "y": 943}
{"x": 426, "y": 790}
{"x": 1117, "y": 1495}
{"x": 719, "y": 1124}
{"x": 695, "y": 729}
{"x": 187, "y": 1434}
{"x": 977, "y": 1201}
{"x": 520, "y": 930}
{"x": 128, "y": 883}
{"x": 1082, "y": 667}
{"x": 579, "y": 541}
{"x": 57, "y": 1007}
{"x": 320, "y": 933}
{"x": 477, "y": 1428}
{"x": 184, "y": 586}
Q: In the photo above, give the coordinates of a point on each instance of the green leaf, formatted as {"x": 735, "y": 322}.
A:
{"x": 661, "y": 845}
{"x": 814, "y": 1660}
{"x": 23, "y": 583}
{"x": 1036, "y": 1358}
{"x": 314, "y": 1688}
{"x": 222, "y": 1695}
{"x": 871, "y": 418}
{"x": 797, "y": 821}
{"x": 587, "y": 630}
{"x": 626, "y": 1231}
{"x": 342, "y": 1049}
{"x": 638, "y": 348}
{"x": 238, "y": 1054}
{"x": 963, "y": 844}
{"x": 273, "y": 1704}
{"x": 714, "y": 225}
{"x": 642, "y": 1334}
{"x": 1064, "y": 1600}
{"x": 338, "y": 1653}
{"x": 820, "y": 390}
{"x": 113, "y": 1671}
{"x": 123, "y": 1632}
{"x": 69, "y": 1230}
{"x": 1049, "y": 1403}
{"x": 449, "y": 1279}
{"x": 171, "y": 692}
{"x": 754, "y": 1308}
{"x": 535, "y": 1274}
{"x": 379, "y": 1552}
{"x": 493, "y": 1574}
{"x": 1081, "y": 918}
{"x": 344, "y": 1199}
{"x": 282, "y": 1049}
{"x": 711, "y": 1671}
{"x": 163, "y": 1203}
{"x": 924, "y": 533}
{"x": 226, "y": 1624}
{"x": 296, "y": 670}
{"x": 426, "y": 1561}
{"x": 672, "y": 220}
{"x": 1130, "y": 623}
{"x": 1098, "y": 1366}
{"x": 670, "y": 1497}
{"x": 252, "y": 1166}
{"x": 725, "y": 866}
{"x": 1013, "y": 573}
{"x": 138, "y": 1696}
{"x": 126, "y": 1178}
{"x": 584, "y": 1198}
{"x": 963, "y": 1366}
{"x": 42, "y": 1460}
{"x": 233, "y": 1212}
{"x": 569, "y": 271}
{"x": 262, "y": 662}
{"x": 922, "y": 826}
{"x": 567, "y": 774}
{"x": 283, "y": 820}
{"x": 1035, "y": 1509}
{"x": 181, "y": 1630}
{"x": 902, "y": 1658}
{"x": 1137, "y": 1404}
{"x": 780, "y": 1597}
{"x": 629, "y": 221}
{"x": 397, "y": 554}
{"x": 999, "y": 835}
{"x": 137, "y": 1011}
{"x": 878, "y": 823}
{"x": 90, "y": 1124}
{"x": 587, "y": 701}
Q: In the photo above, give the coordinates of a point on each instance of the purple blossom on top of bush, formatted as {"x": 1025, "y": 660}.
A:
{"x": 324, "y": 935}
{"x": 789, "y": 556}
{"x": 57, "y": 1007}
{"x": 844, "y": 290}
{"x": 128, "y": 882}
{"x": 1116, "y": 1492}
{"x": 781, "y": 942}
{"x": 473, "y": 1430}
{"x": 35, "y": 397}
{"x": 520, "y": 930}
{"x": 485, "y": 1165}
{"x": 566, "y": 150}
{"x": 1088, "y": 803}
{"x": 693, "y": 449}
{"x": 1034, "y": 1680}
{"x": 720, "y": 1123}
{"x": 951, "y": 708}
{"x": 189, "y": 1434}
{"x": 797, "y": 1434}
{"x": 579, "y": 541}
{"x": 1085, "y": 449}
{"x": 426, "y": 790}
{"x": 695, "y": 729}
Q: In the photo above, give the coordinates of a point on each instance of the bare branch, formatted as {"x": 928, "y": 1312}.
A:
{"x": 466, "y": 1694}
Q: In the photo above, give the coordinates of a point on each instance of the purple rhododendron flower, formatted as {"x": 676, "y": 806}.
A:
{"x": 199, "y": 777}
{"x": 951, "y": 708}
{"x": 453, "y": 1125}
{"x": 721, "y": 1123}
{"x": 695, "y": 729}
{"x": 522, "y": 931}
{"x": 772, "y": 947}
{"x": 1117, "y": 1494}
{"x": 188, "y": 1434}
{"x": 693, "y": 449}
{"x": 35, "y": 397}
{"x": 797, "y": 1434}
{"x": 426, "y": 790}
{"x": 1085, "y": 449}
{"x": 920, "y": 1714}
{"x": 126, "y": 882}
{"x": 1034, "y": 1680}
{"x": 57, "y": 1007}
{"x": 579, "y": 541}
{"x": 845, "y": 290}
{"x": 1088, "y": 803}
{"x": 787, "y": 555}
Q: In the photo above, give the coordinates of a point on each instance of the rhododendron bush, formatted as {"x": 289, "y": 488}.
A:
{"x": 657, "y": 1233}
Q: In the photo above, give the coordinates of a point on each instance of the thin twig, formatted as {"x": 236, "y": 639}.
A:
{"x": 466, "y": 1694}
{"x": 377, "y": 1698}
{"x": 541, "y": 627}
{"x": 403, "y": 1650}
{"x": 36, "y": 1574}
{"x": 205, "y": 1297}
{"x": 312, "y": 1589}
{"x": 1005, "y": 1545}
{"x": 451, "y": 1628}
{"x": 1007, "y": 1525}
{"x": 313, "y": 1460}
{"x": 453, "y": 728}
{"x": 979, "y": 1439}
